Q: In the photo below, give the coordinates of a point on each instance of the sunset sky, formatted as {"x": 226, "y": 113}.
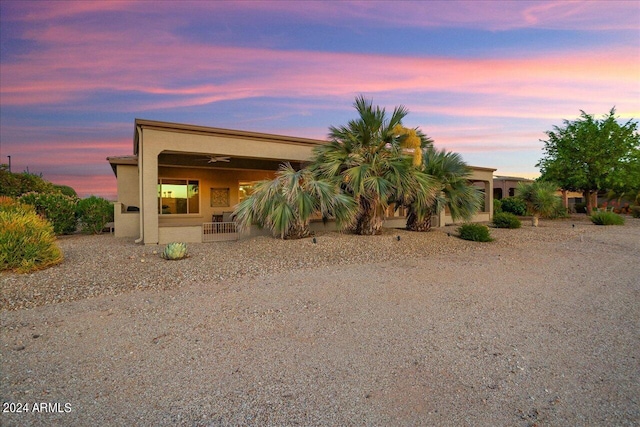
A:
{"x": 485, "y": 79}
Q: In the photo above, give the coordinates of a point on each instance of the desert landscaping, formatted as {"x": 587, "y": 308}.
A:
{"x": 539, "y": 327}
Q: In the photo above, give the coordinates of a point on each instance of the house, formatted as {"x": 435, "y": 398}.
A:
{"x": 183, "y": 181}
{"x": 505, "y": 186}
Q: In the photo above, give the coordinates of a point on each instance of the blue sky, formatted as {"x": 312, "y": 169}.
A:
{"x": 485, "y": 79}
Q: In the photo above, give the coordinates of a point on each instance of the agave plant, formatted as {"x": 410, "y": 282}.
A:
{"x": 175, "y": 251}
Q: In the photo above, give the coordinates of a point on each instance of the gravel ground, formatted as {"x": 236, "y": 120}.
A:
{"x": 540, "y": 327}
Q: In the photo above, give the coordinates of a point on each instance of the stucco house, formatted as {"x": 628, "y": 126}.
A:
{"x": 183, "y": 181}
{"x": 505, "y": 186}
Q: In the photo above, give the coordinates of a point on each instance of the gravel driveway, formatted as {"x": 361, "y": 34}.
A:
{"x": 540, "y": 327}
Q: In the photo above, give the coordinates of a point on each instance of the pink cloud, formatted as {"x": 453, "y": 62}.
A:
{"x": 97, "y": 185}
{"x": 80, "y": 60}
{"x": 491, "y": 15}
{"x": 607, "y": 74}
{"x": 157, "y": 69}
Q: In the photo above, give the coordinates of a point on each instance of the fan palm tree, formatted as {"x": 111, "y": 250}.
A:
{"x": 369, "y": 160}
{"x": 540, "y": 198}
{"x": 454, "y": 190}
{"x": 285, "y": 204}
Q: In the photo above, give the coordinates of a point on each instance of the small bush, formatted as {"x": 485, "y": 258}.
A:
{"x": 56, "y": 207}
{"x": 93, "y": 213}
{"x": 607, "y": 218}
{"x": 514, "y": 205}
{"x": 497, "y": 206}
{"x": 506, "y": 220}
{"x": 27, "y": 242}
{"x": 475, "y": 232}
{"x": 559, "y": 211}
{"x": 635, "y": 211}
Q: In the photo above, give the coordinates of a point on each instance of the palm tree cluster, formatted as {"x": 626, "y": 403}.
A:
{"x": 367, "y": 165}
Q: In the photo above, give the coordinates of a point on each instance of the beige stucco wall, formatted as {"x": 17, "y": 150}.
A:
{"x": 208, "y": 179}
{"x": 127, "y": 224}
{"x": 127, "y": 182}
{"x": 187, "y": 234}
{"x": 152, "y": 142}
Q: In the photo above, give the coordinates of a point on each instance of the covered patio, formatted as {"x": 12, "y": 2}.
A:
{"x": 183, "y": 182}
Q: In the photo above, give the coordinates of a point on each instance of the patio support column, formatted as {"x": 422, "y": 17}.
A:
{"x": 149, "y": 194}
{"x": 488, "y": 197}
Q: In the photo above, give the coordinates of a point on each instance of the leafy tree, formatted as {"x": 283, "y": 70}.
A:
{"x": 94, "y": 213}
{"x": 285, "y": 204}
{"x": 540, "y": 198}
{"x": 591, "y": 155}
{"x": 625, "y": 181}
{"x": 371, "y": 158}
{"x": 453, "y": 189}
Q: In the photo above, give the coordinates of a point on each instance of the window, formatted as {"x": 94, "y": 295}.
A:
{"x": 178, "y": 196}
{"x": 245, "y": 189}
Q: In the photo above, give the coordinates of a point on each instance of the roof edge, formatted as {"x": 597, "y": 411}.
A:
{"x": 234, "y": 133}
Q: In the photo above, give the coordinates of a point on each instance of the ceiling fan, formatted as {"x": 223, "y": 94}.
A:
{"x": 215, "y": 159}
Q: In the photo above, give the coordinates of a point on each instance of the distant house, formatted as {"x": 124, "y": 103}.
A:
{"x": 183, "y": 181}
{"x": 505, "y": 186}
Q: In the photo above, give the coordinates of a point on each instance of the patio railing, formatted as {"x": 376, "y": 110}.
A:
{"x": 219, "y": 231}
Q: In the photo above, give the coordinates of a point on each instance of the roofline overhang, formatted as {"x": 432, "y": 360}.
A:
{"x": 114, "y": 161}
{"x": 481, "y": 168}
{"x": 141, "y": 124}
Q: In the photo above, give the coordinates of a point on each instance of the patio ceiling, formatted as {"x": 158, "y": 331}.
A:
{"x": 201, "y": 160}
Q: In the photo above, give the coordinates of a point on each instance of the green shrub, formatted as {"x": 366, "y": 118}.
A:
{"x": 506, "y": 220}
{"x": 93, "y": 213}
{"x": 514, "y": 205}
{"x": 66, "y": 190}
{"x": 635, "y": 211}
{"x": 16, "y": 184}
{"x": 474, "y": 232}
{"x": 27, "y": 242}
{"x": 558, "y": 211}
{"x": 497, "y": 206}
{"x": 607, "y": 218}
{"x": 56, "y": 207}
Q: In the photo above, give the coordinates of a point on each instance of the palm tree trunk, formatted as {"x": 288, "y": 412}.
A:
{"x": 414, "y": 225}
{"x": 297, "y": 231}
{"x": 368, "y": 222}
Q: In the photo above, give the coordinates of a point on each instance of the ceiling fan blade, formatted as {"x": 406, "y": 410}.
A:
{"x": 215, "y": 159}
